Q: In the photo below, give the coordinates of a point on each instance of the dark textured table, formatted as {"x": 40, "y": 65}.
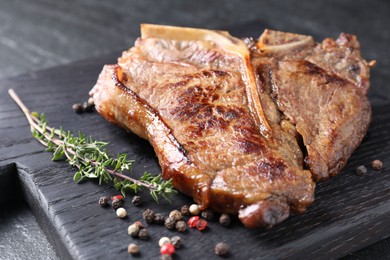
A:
{"x": 40, "y": 34}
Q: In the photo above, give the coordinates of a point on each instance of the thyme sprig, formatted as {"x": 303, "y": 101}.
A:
{"x": 91, "y": 157}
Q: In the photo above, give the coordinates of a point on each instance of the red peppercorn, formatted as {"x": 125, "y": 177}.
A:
{"x": 193, "y": 221}
{"x": 117, "y": 197}
{"x": 167, "y": 249}
{"x": 201, "y": 225}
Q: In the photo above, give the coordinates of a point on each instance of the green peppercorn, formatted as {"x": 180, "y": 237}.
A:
{"x": 207, "y": 214}
{"x": 176, "y": 241}
{"x": 175, "y": 215}
{"x": 148, "y": 215}
{"x": 221, "y": 249}
{"x": 137, "y": 201}
{"x": 181, "y": 226}
{"x": 103, "y": 201}
{"x": 143, "y": 234}
{"x": 224, "y": 220}
{"x": 169, "y": 223}
{"x": 185, "y": 210}
{"x": 159, "y": 218}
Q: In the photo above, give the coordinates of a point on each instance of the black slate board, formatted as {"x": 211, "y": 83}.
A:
{"x": 350, "y": 211}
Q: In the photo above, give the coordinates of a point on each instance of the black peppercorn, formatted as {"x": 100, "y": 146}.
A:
{"x": 207, "y": 214}
{"x": 185, "y": 210}
{"x": 116, "y": 203}
{"x": 148, "y": 215}
{"x": 159, "y": 218}
{"x": 224, "y": 220}
{"x": 221, "y": 249}
{"x": 78, "y": 108}
{"x": 143, "y": 234}
{"x": 361, "y": 170}
{"x": 103, "y": 201}
{"x": 137, "y": 201}
{"x": 169, "y": 223}
{"x": 181, "y": 226}
{"x": 176, "y": 241}
{"x": 87, "y": 107}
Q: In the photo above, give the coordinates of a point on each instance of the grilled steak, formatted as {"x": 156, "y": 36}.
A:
{"x": 228, "y": 119}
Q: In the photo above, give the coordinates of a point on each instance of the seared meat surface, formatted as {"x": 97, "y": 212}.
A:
{"x": 227, "y": 121}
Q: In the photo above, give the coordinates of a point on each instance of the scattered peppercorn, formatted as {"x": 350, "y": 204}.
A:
{"x": 119, "y": 197}
{"x": 133, "y": 230}
{"x": 169, "y": 223}
{"x": 201, "y": 225}
{"x": 361, "y": 170}
{"x": 116, "y": 203}
{"x": 78, "y": 108}
{"x": 91, "y": 102}
{"x": 159, "y": 218}
{"x": 181, "y": 226}
{"x": 175, "y": 215}
{"x": 377, "y": 165}
{"x": 194, "y": 209}
{"x": 139, "y": 224}
{"x": 207, "y": 214}
{"x": 133, "y": 249}
{"x": 163, "y": 241}
{"x": 193, "y": 221}
{"x": 121, "y": 212}
{"x": 185, "y": 210}
{"x": 87, "y": 107}
{"x": 148, "y": 215}
{"x": 103, "y": 201}
{"x": 165, "y": 257}
{"x": 176, "y": 241}
{"x": 137, "y": 201}
{"x": 167, "y": 249}
{"x": 221, "y": 249}
{"x": 143, "y": 234}
{"x": 224, "y": 220}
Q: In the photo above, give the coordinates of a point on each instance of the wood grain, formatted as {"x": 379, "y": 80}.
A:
{"x": 350, "y": 211}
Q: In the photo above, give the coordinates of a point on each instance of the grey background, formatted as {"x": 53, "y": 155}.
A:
{"x": 42, "y": 33}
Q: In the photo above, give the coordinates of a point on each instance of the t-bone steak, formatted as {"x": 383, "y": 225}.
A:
{"x": 242, "y": 126}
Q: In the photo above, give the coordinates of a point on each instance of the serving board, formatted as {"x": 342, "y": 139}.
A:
{"x": 350, "y": 211}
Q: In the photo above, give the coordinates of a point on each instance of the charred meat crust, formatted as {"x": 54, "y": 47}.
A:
{"x": 193, "y": 97}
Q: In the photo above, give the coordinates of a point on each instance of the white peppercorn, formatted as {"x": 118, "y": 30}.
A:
{"x": 164, "y": 240}
{"x": 194, "y": 209}
{"x": 121, "y": 212}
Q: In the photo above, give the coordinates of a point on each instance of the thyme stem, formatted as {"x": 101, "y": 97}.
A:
{"x": 90, "y": 157}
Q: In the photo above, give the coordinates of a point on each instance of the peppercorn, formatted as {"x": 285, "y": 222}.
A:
{"x": 133, "y": 249}
{"x": 224, "y": 220}
{"x": 159, "y": 218}
{"x": 91, "y": 102}
{"x": 377, "y": 165}
{"x": 221, "y": 249}
{"x": 361, "y": 170}
{"x": 176, "y": 241}
{"x": 103, "y": 201}
{"x": 207, "y": 214}
{"x": 121, "y": 212}
{"x": 165, "y": 257}
{"x": 185, "y": 210}
{"x": 193, "y": 221}
{"x": 167, "y": 249}
{"x": 87, "y": 107}
{"x": 181, "y": 226}
{"x": 148, "y": 215}
{"x": 137, "y": 201}
{"x": 78, "y": 108}
{"x": 139, "y": 224}
{"x": 116, "y": 202}
{"x": 119, "y": 197}
{"x": 175, "y": 215}
{"x": 201, "y": 225}
{"x": 194, "y": 209}
{"x": 133, "y": 230}
{"x": 143, "y": 234}
{"x": 169, "y": 223}
{"x": 163, "y": 241}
